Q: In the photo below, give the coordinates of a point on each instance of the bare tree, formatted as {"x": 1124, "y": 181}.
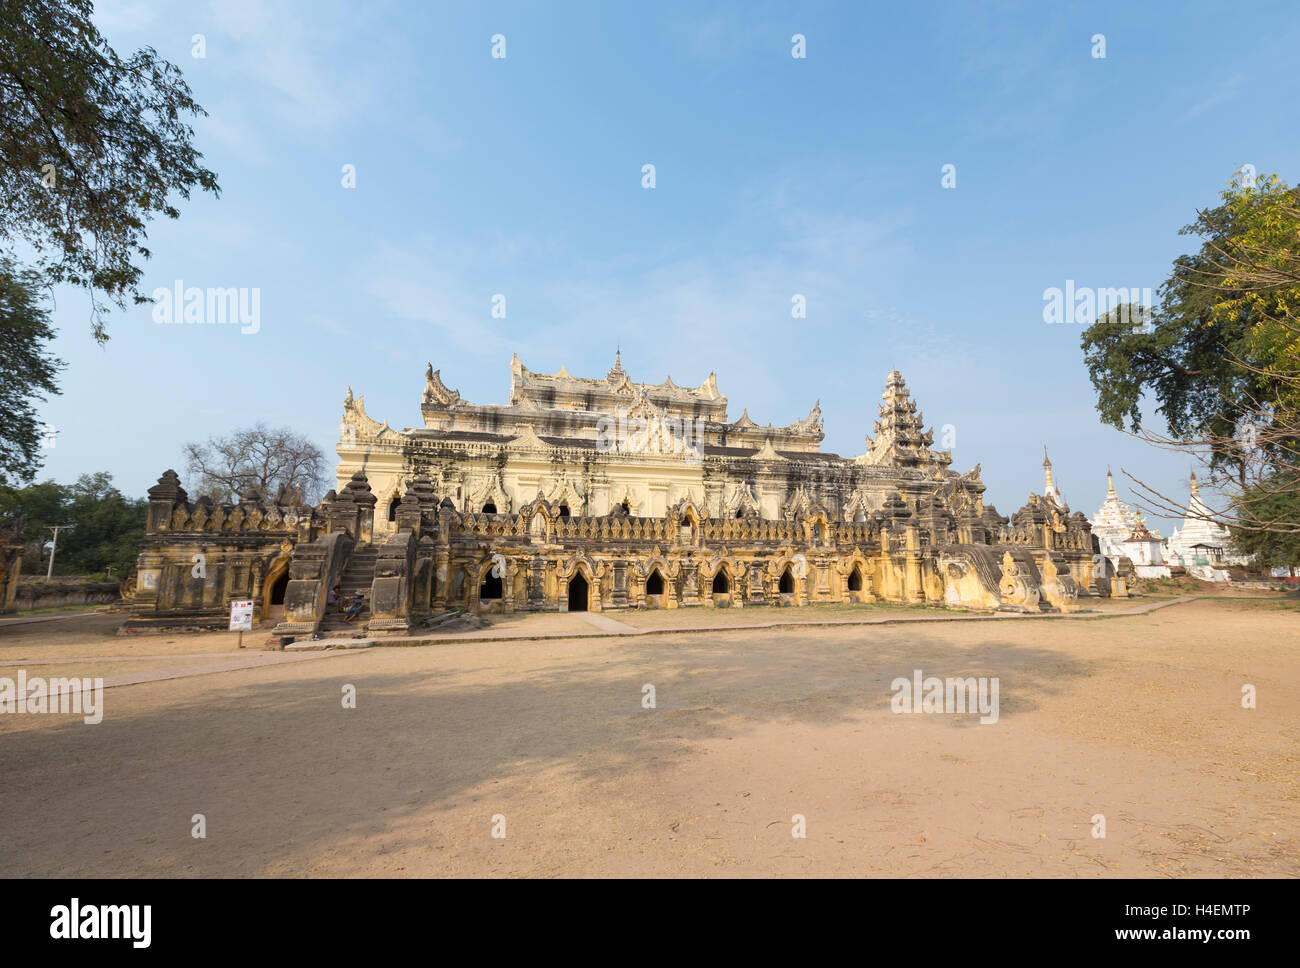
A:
{"x": 272, "y": 461}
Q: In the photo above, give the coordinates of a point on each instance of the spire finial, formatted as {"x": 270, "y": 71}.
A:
{"x": 617, "y": 370}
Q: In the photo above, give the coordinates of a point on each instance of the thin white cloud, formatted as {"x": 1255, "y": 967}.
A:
{"x": 113, "y": 16}
{"x": 299, "y": 58}
{"x": 721, "y": 37}
{"x": 673, "y": 315}
{"x": 430, "y": 286}
{"x": 1226, "y": 91}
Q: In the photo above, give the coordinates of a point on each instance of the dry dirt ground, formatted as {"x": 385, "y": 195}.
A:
{"x": 1136, "y": 718}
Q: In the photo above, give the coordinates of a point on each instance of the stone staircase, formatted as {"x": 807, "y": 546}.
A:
{"x": 358, "y": 576}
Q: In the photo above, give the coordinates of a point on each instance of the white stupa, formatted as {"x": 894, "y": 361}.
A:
{"x": 1121, "y": 532}
{"x": 1202, "y": 546}
{"x": 1050, "y": 490}
{"x": 1114, "y": 519}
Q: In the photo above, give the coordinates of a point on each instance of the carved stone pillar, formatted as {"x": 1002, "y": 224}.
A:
{"x": 915, "y": 587}
{"x": 618, "y": 598}
{"x": 536, "y": 583}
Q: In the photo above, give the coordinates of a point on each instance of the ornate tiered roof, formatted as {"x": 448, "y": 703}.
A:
{"x": 1115, "y": 519}
{"x": 562, "y": 390}
{"x": 900, "y": 435}
{"x": 1141, "y": 533}
{"x": 558, "y": 411}
{"x": 562, "y": 408}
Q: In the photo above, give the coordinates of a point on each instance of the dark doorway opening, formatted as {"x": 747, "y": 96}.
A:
{"x": 855, "y": 580}
{"x": 489, "y": 508}
{"x": 654, "y": 585}
{"x": 491, "y": 587}
{"x": 564, "y": 510}
{"x": 278, "y": 587}
{"x": 578, "y": 594}
{"x": 392, "y": 508}
{"x": 787, "y": 583}
{"x": 721, "y": 586}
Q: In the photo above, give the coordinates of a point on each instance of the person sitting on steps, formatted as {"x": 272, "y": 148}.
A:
{"x": 357, "y": 603}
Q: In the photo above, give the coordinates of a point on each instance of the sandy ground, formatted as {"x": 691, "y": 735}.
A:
{"x": 1137, "y": 718}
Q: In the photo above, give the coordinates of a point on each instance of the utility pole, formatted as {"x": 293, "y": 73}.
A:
{"x": 56, "y": 528}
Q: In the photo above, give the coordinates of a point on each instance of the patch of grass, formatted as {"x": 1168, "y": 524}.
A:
{"x": 851, "y": 609}
{"x": 57, "y": 609}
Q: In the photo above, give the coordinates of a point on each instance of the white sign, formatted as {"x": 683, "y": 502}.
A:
{"x": 241, "y": 615}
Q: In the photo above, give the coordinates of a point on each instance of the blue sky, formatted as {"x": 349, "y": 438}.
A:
{"x": 774, "y": 176}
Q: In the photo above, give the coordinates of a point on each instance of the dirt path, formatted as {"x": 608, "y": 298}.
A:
{"x": 1139, "y": 719}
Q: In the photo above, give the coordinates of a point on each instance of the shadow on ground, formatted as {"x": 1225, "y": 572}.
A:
{"x": 284, "y": 775}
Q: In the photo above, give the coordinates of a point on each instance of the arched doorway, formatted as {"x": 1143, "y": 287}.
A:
{"x": 393, "y": 505}
{"x": 857, "y": 584}
{"x": 721, "y": 589}
{"x": 490, "y": 590}
{"x": 786, "y": 586}
{"x": 274, "y": 587}
{"x": 278, "y": 587}
{"x": 578, "y": 589}
{"x": 564, "y": 510}
{"x": 489, "y": 508}
{"x": 654, "y": 590}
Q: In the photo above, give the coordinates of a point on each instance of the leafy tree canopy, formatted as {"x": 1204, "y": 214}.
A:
{"x": 92, "y": 146}
{"x": 26, "y": 372}
{"x": 1269, "y": 506}
{"x": 106, "y": 531}
{"x": 1222, "y": 356}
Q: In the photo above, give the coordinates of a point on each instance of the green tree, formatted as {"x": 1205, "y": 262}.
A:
{"x": 107, "y": 528}
{"x": 92, "y": 147}
{"x": 1267, "y": 506}
{"x": 1221, "y": 358}
{"x": 42, "y": 505}
{"x": 26, "y": 372}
